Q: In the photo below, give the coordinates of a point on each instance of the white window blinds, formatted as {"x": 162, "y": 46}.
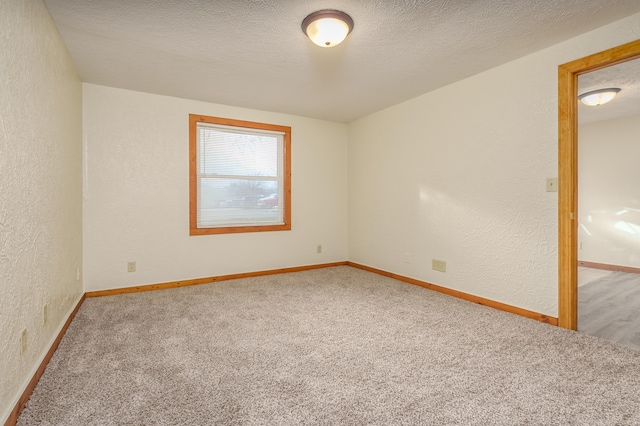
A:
{"x": 239, "y": 176}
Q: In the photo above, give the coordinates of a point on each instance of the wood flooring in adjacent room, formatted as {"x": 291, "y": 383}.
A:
{"x": 609, "y": 305}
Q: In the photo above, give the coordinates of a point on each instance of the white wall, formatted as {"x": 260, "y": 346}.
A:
{"x": 136, "y": 205}
{"x": 40, "y": 190}
{"x": 458, "y": 174}
{"x": 609, "y": 192}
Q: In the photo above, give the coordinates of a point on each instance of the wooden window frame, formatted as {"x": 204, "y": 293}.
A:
{"x": 194, "y": 119}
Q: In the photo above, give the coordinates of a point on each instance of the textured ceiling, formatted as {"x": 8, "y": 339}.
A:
{"x": 252, "y": 53}
{"x": 625, "y": 76}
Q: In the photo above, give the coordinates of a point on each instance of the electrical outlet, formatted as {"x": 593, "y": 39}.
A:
{"x": 319, "y": 249}
{"x": 131, "y": 266}
{"x": 438, "y": 265}
{"x": 45, "y": 314}
{"x": 23, "y": 342}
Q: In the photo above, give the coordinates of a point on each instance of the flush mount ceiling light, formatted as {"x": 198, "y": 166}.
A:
{"x": 598, "y": 97}
{"x": 328, "y": 27}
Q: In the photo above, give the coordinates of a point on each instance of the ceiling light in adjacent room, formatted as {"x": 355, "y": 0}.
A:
{"x": 327, "y": 28}
{"x": 598, "y": 97}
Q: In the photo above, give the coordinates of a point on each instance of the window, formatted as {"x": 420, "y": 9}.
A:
{"x": 239, "y": 176}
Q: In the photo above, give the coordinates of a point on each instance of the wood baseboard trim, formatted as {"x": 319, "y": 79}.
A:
{"x": 207, "y": 280}
{"x": 24, "y": 398}
{"x": 460, "y": 295}
{"x": 607, "y": 267}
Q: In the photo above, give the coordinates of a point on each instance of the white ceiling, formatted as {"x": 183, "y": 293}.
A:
{"x": 624, "y": 76}
{"x": 252, "y": 53}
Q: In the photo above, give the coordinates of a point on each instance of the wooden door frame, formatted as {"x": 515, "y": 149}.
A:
{"x": 568, "y": 172}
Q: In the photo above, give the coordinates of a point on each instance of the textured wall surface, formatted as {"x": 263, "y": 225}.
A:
{"x": 40, "y": 190}
{"x": 458, "y": 174}
{"x": 608, "y": 191}
{"x": 136, "y": 192}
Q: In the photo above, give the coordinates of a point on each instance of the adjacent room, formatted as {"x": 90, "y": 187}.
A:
{"x": 217, "y": 213}
{"x": 609, "y": 206}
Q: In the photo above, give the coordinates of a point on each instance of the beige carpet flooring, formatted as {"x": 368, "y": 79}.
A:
{"x": 336, "y": 346}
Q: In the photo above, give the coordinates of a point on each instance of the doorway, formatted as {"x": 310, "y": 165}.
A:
{"x": 608, "y": 215}
{"x": 568, "y": 172}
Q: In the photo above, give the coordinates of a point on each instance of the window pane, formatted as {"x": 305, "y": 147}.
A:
{"x": 238, "y": 202}
{"x": 239, "y": 176}
{"x": 225, "y": 152}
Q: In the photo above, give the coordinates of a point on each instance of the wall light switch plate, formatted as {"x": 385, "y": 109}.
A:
{"x": 552, "y": 184}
